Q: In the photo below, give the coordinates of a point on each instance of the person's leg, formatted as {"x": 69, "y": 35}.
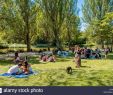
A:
{"x": 99, "y": 55}
{"x": 87, "y": 56}
{"x": 77, "y": 64}
{"x": 105, "y": 55}
{"x": 80, "y": 63}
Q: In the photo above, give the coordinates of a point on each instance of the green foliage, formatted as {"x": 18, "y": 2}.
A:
{"x": 19, "y": 20}
{"x": 95, "y": 15}
{"x": 3, "y": 46}
{"x": 32, "y": 21}
{"x": 60, "y": 20}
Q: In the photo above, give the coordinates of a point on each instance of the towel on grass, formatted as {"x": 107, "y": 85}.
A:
{"x": 18, "y": 76}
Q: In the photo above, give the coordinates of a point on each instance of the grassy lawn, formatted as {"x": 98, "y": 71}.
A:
{"x": 92, "y": 73}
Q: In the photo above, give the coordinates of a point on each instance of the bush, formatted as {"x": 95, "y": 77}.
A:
{"x": 3, "y": 46}
{"x": 17, "y": 45}
{"x": 21, "y": 50}
{"x": 11, "y": 50}
{"x": 42, "y": 45}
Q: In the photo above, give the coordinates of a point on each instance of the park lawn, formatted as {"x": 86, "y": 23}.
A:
{"x": 97, "y": 72}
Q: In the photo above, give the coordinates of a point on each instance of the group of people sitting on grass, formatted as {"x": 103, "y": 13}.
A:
{"x": 88, "y": 53}
{"x": 80, "y": 53}
{"x": 47, "y": 58}
{"x": 20, "y": 67}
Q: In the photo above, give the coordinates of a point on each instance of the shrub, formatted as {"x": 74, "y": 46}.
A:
{"x": 3, "y": 46}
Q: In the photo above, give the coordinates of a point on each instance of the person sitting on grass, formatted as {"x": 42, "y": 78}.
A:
{"x": 26, "y": 68}
{"x": 17, "y": 58}
{"x": 93, "y": 55}
{"x": 106, "y": 51}
{"x": 98, "y": 53}
{"x": 15, "y": 69}
{"x": 51, "y": 58}
{"x": 44, "y": 58}
{"x": 41, "y": 56}
{"x": 82, "y": 54}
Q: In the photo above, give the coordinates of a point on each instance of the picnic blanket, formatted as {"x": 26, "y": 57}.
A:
{"x": 19, "y": 76}
{"x": 63, "y": 53}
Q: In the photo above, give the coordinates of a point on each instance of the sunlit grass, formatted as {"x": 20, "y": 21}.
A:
{"x": 93, "y": 73}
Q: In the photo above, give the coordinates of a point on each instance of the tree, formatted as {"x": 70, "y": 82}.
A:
{"x": 72, "y": 22}
{"x": 19, "y": 16}
{"x": 107, "y": 24}
{"x": 28, "y": 11}
{"x": 94, "y": 12}
{"x": 56, "y": 13}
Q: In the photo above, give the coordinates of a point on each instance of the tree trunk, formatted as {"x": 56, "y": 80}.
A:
{"x": 56, "y": 31}
{"x": 69, "y": 39}
{"x": 27, "y": 27}
{"x": 111, "y": 45}
{"x": 102, "y": 44}
{"x": 28, "y": 42}
{"x": 58, "y": 43}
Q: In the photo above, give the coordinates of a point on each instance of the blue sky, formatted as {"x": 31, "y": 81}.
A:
{"x": 80, "y": 2}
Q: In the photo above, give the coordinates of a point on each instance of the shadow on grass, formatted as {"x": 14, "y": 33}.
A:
{"x": 61, "y": 59}
{"x": 93, "y": 78}
{"x": 85, "y": 67}
{"x": 34, "y": 61}
{"x": 6, "y": 62}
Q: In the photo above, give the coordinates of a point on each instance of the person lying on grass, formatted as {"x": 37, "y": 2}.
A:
{"x": 21, "y": 68}
{"x": 47, "y": 58}
{"x": 51, "y": 58}
{"x": 15, "y": 69}
{"x": 43, "y": 58}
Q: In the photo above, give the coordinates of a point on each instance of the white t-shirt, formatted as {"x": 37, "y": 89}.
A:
{"x": 13, "y": 69}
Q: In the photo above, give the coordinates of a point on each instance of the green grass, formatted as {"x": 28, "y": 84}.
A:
{"x": 92, "y": 73}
